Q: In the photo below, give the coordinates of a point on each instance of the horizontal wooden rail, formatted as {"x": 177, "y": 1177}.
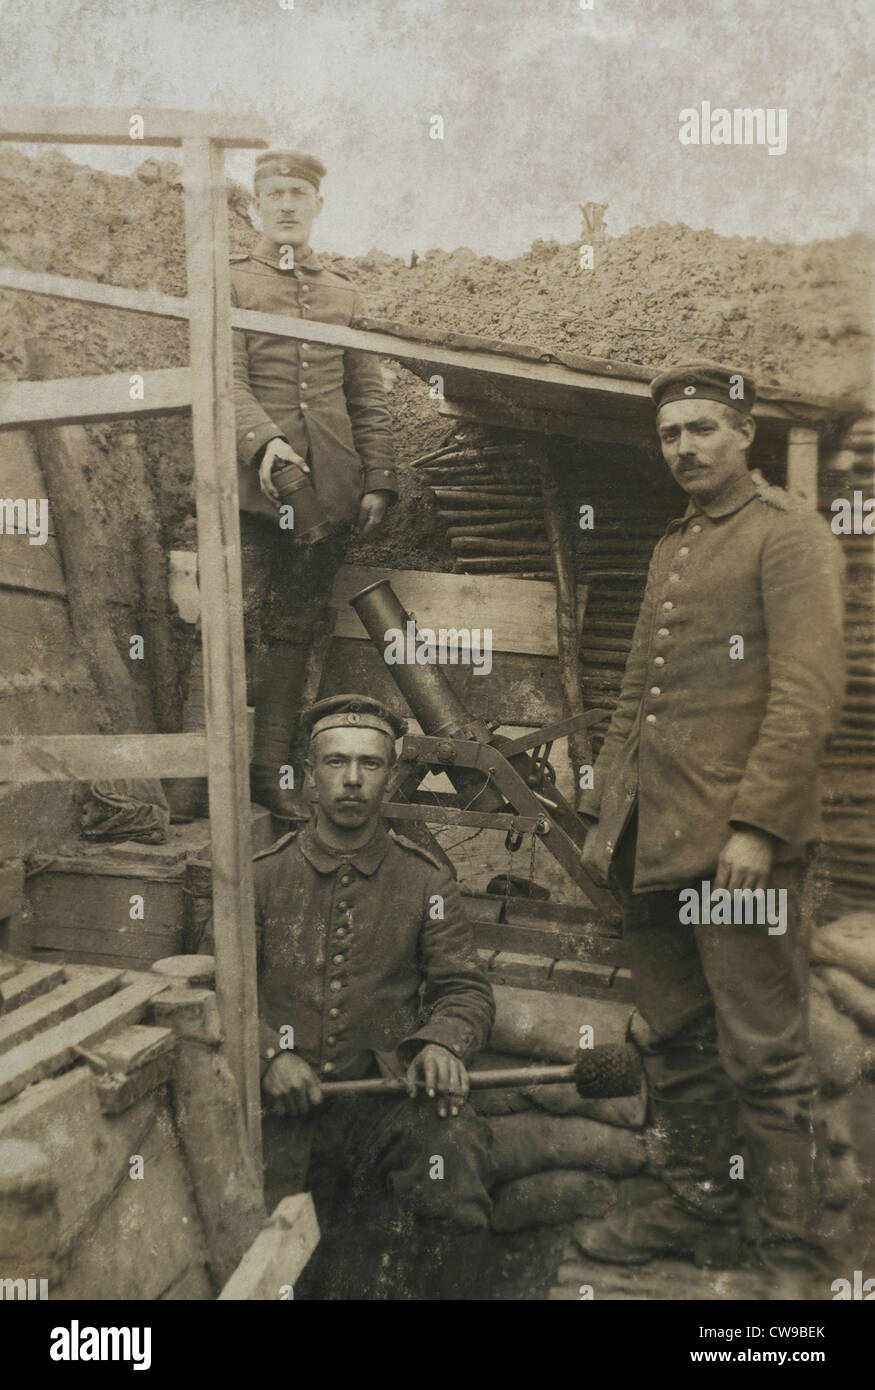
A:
{"x": 114, "y": 126}
{"x": 101, "y": 757}
{"x": 488, "y": 364}
{"x": 84, "y": 398}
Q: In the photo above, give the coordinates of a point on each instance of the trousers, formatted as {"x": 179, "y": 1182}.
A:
{"x": 724, "y": 1017}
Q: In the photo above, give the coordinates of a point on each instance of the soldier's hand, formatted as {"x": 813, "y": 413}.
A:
{"x": 291, "y": 1084}
{"x": 745, "y": 860}
{"x": 443, "y": 1075}
{"x": 277, "y": 451}
{"x": 372, "y": 510}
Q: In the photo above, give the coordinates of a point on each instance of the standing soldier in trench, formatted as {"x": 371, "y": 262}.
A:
{"x": 708, "y": 776}
{"x": 323, "y": 408}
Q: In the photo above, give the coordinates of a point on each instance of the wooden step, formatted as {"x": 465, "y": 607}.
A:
{"x": 84, "y": 987}
{"x": 54, "y": 1050}
{"x": 28, "y": 983}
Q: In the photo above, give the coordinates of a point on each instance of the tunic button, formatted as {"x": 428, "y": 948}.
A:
{"x": 303, "y": 385}
{"x": 341, "y": 931}
{"x": 331, "y": 1040}
{"x": 334, "y": 1013}
{"x": 343, "y": 906}
{"x": 674, "y": 578}
{"x": 303, "y": 405}
{"x": 250, "y": 434}
{"x": 328, "y": 1066}
{"x": 346, "y": 880}
{"x": 668, "y": 606}
{"x": 335, "y": 985}
{"x": 305, "y": 347}
{"x": 659, "y": 661}
{"x": 655, "y": 690}
{"x": 664, "y": 632}
{"x": 338, "y": 960}
{"x": 305, "y": 364}
{"x": 651, "y": 719}
{"x": 684, "y": 550}
{"x": 696, "y": 529}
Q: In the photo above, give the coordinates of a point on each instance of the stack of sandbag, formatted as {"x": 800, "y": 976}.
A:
{"x": 557, "y": 1156}
{"x": 843, "y": 1041}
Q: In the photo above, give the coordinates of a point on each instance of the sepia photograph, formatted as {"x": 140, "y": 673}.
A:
{"x": 437, "y": 663}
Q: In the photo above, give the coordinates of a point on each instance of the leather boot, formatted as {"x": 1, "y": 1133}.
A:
{"x": 689, "y": 1146}
{"x": 280, "y": 675}
{"x": 187, "y": 797}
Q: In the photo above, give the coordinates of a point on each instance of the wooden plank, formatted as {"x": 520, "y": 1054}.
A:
{"x": 121, "y": 943}
{"x": 112, "y": 126}
{"x": 80, "y": 399}
{"x": 218, "y": 530}
{"x": 52, "y": 1051}
{"x": 549, "y": 939}
{"x": 91, "y": 757}
{"x": 278, "y": 1254}
{"x": 521, "y": 614}
{"x": 520, "y": 690}
{"x": 131, "y": 1048}
{"x": 802, "y": 456}
{"x": 86, "y": 986}
{"x": 28, "y": 983}
{"x": 448, "y": 815}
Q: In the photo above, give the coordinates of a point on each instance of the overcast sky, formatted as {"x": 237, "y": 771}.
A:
{"x": 545, "y": 106}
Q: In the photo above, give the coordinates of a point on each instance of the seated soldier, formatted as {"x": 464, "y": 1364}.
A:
{"x": 367, "y": 967}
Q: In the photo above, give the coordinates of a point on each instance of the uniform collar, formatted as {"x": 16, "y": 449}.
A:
{"x": 268, "y": 252}
{"x": 325, "y": 860}
{"x": 744, "y": 490}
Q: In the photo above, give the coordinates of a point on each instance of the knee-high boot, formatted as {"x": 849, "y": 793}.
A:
{"x": 277, "y": 775}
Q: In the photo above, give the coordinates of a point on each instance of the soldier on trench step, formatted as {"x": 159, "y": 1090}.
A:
{"x": 366, "y": 964}
{"x": 323, "y": 408}
{"x": 708, "y": 775}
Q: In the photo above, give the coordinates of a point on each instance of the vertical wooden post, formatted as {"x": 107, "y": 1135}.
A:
{"x": 218, "y": 529}
{"x": 802, "y": 447}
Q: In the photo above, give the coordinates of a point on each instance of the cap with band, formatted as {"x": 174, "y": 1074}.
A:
{"x": 289, "y": 164}
{"x": 352, "y": 712}
{"x": 708, "y": 381}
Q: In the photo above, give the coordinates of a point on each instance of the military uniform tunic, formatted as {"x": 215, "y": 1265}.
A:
{"x": 704, "y": 737}
{"x": 328, "y": 402}
{"x": 365, "y": 953}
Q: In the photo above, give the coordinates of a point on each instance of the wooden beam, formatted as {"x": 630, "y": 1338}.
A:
{"x": 277, "y": 1255}
{"x": 218, "y": 529}
{"x": 802, "y": 453}
{"x": 479, "y": 364}
{"x": 98, "y": 757}
{"x": 83, "y": 398}
{"x": 113, "y": 126}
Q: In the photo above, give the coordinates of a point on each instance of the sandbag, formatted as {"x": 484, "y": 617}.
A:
{"x": 533, "y": 1142}
{"x": 850, "y": 995}
{"x": 529, "y": 1023}
{"x": 550, "y": 1199}
{"x": 838, "y": 1048}
{"x": 837, "y": 1119}
{"x": 499, "y": 1100}
{"x": 628, "y": 1111}
{"x": 849, "y": 943}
